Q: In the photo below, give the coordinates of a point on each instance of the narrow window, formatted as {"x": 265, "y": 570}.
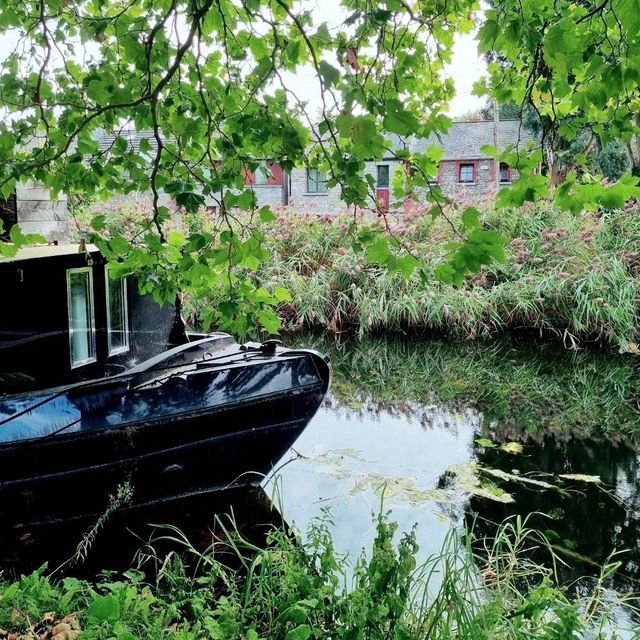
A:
{"x": 466, "y": 172}
{"x": 505, "y": 173}
{"x": 117, "y": 314}
{"x": 383, "y": 176}
{"x": 262, "y": 175}
{"x": 82, "y": 333}
{"x": 316, "y": 181}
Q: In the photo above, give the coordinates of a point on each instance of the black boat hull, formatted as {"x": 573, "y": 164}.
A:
{"x": 78, "y": 475}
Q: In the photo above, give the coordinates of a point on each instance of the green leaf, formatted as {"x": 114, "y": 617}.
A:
{"x": 266, "y": 214}
{"x": 485, "y": 442}
{"x": 269, "y": 320}
{"x": 98, "y": 222}
{"x": 282, "y": 295}
{"x": 330, "y": 75}
{"x": 302, "y": 632}
{"x": 398, "y": 120}
{"x": 104, "y": 609}
{"x": 98, "y": 92}
{"x": 471, "y": 218}
{"x": 378, "y": 252}
{"x": 407, "y": 264}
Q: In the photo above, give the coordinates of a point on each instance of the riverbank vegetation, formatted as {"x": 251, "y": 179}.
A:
{"x": 489, "y": 589}
{"x": 572, "y": 275}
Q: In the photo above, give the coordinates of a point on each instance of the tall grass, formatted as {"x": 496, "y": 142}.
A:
{"x": 573, "y": 275}
{"x": 489, "y": 589}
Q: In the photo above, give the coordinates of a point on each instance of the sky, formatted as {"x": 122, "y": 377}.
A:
{"x": 466, "y": 67}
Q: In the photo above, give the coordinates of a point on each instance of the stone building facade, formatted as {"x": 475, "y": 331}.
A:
{"x": 34, "y": 211}
{"x": 465, "y": 172}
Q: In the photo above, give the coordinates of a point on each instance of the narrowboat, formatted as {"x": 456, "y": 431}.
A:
{"x": 97, "y": 393}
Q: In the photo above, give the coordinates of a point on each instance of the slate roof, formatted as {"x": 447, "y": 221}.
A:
{"x": 465, "y": 139}
{"x": 106, "y": 140}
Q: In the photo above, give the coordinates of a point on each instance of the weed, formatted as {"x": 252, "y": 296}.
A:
{"x": 299, "y": 591}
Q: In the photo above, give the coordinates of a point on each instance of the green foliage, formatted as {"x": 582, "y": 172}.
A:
{"x": 210, "y": 81}
{"x": 574, "y": 69}
{"x": 575, "y": 276}
{"x": 613, "y": 160}
{"x": 207, "y": 82}
{"x": 300, "y": 591}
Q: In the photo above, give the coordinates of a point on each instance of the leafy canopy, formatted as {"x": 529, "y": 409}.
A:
{"x": 215, "y": 82}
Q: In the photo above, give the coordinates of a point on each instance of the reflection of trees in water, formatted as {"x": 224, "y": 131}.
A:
{"x": 586, "y": 519}
{"x": 557, "y": 402}
{"x": 429, "y": 417}
{"x": 521, "y": 388}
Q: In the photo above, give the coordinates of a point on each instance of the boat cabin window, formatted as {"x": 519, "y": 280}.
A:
{"x": 82, "y": 332}
{"x": 117, "y": 314}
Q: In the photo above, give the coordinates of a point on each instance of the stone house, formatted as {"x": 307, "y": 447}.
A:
{"x": 465, "y": 173}
{"x": 32, "y": 208}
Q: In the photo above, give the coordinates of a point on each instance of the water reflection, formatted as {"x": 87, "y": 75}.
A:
{"x": 406, "y": 416}
{"x": 404, "y": 420}
{"x": 118, "y": 542}
{"x": 580, "y": 517}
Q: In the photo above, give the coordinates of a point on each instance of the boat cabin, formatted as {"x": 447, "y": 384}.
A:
{"x": 65, "y": 320}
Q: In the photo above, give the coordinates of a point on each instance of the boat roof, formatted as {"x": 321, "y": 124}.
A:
{"x": 48, "y": 251}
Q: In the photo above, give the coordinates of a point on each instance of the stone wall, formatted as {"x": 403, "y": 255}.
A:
{"x": 483, "y": 186}
{"x": 301, "y": 201}
{"x": 38, "y": 213}
{"x": 268, "y": 194}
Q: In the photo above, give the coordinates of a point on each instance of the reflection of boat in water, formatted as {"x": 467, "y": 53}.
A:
{"x": 192, "y": 419}
{"x": 127, "y": 535}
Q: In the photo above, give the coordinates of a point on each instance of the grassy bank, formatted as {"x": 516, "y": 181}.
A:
{"x": 299, "y": 592}
{"x": 573, "y": 275}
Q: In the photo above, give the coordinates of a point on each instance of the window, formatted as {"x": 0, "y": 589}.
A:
{"x": 383, "y": 176}
{"x": 505, "y": 172}
{"x": 262, "y": 175}
{"x": 316, "y": 181}
{"x": 82, "y": 332}
{"x": 117, "y": 314}
{"x": 466, "y": 172}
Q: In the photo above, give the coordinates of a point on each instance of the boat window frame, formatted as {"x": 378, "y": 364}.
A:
{"x": 111, "y": 351}
{"x": 75, "y": 364}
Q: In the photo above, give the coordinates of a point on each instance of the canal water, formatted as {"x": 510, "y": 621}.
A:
{"x": 444, "y": 436}
{"x": 467, "y": 435}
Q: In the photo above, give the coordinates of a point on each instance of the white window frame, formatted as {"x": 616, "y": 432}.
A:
{"x": 263, "y": 171}
{"x": 112, "y": 351}
{"x": 388, "y": 168}
{"x": 320, "y": 182}
{"x": 92, "y": 317}
{"x": 473, "y": 172}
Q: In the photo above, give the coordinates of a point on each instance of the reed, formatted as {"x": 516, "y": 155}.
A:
{"x": 575, "y": 276}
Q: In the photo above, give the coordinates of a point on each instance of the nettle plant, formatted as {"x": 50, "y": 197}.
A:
{"x": 215, "y": 84}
